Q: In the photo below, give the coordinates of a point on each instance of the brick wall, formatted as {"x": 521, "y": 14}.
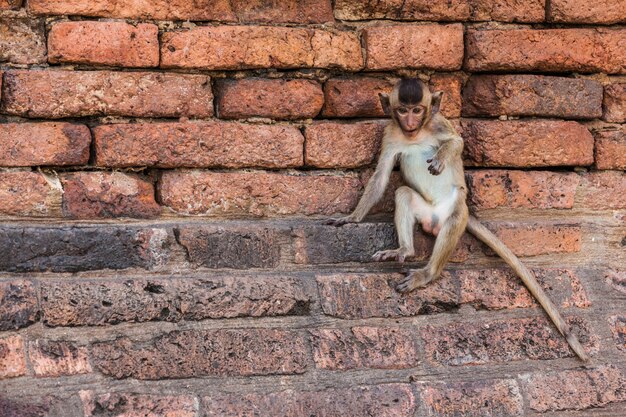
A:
{"x": 164, "y": 167}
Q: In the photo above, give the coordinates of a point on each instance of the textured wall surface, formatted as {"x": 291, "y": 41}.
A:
{"x": 165, "y": 167}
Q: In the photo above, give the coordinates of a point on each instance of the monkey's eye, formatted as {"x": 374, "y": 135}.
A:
{"x": 402, "y": 110}
{"x": 418, "y": 110}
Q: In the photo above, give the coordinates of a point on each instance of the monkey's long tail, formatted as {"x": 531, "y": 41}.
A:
{"x": 491, "y": 240}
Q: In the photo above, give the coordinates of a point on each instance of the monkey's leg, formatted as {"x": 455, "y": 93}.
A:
{"x": 447, "y": 239}
{"x": 410, "y": 206}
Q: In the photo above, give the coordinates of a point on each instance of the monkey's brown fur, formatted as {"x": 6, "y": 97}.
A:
{"x": 429, "y": 151}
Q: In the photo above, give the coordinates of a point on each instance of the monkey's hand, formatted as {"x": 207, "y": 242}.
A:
{"x": 340, "y": 221}
{"x": 436, "y": 165}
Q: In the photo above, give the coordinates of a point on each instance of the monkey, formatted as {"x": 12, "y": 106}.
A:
{"x": 429, "y": 151}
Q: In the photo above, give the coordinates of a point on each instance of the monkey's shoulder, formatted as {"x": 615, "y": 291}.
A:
{"x": 440, "y": 127}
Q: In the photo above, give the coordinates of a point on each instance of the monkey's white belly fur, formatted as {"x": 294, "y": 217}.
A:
{"x": 438, "y": 190}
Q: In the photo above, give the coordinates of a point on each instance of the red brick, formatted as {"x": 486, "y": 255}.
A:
{"x": 356, "y": 296}
{"x": 57, "y": 358}
{"x": 125, "y": 404}
{"x": 526, "y": 143}
{"x": 59, "y": 94}
{"x": 195, "y": 353}
{"x": 610, "y": 148}
{"x": 476, "y": 398}
{"x": 615, "y": 102}
{"x": 532, "y": 95}
{"x": 364, "y": 347}
{"x": 472, "y": 343}
{"x": 388, "y": 400}
{"x": 18, "y": 304}
{"x": 618, "y": 329}
{"x": 604, "y": 190}
{"x": 286, "y": 11}
{"x": 241, "y": 47}
{"x": 575, "y": 390}
{"x": 414, "y": 46}
{"x": 450, "y": 85}
{"x": 340, "y": 145}
{"x": 455, "y": 10}
{"x": 521, "y": 189}
{"x": 12, "y": 357}
{"x": 88, "y": 195}
{"x": 277, "y": 99}
{"x": 532, "y": 239}
{"x": 10, "y": 4}
{"x": 202, "y": 144}
{"x": 549, "y": 50}
{"x": 499, "y": 288}
{"x": 27, "y": 144}
{"x": 105, "y": 43}
{"x": 102, "y": 302}
{"x": 25, "y": 193}
{"x": 23, "y": 41}
{"x": 579, "y": 11}
{"x": 354, "y": 97}
{"x": 257, "y": 193}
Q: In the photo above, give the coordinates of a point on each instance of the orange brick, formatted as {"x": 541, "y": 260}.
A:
{"x": 12, "y": 357}
{"x": 414, "y": 46}
{"x": 23, "y": 41}
{"x": 355, "y": 97}
{"x": 25, "y": 193}
{"x": 611, "y": 148}
{"x": 615, "y": 103}
{"x": 539, "y": 239}
{"x": 580, "y": 11}
{"x": 604, "y": 190}
{"x": 549, "y": 50}
{"x": 10, "y": 4}
{"x": 240, "y": 47}
{"x": 105, "y": 43}
{"x": 57, "y": 358}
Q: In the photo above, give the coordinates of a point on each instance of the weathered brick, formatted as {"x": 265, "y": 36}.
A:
{"x": 521, "y": 189}
{"x": 257, "y": 193}
{"x": 616, "y": 279}
{"x": 23, "y": 41}
{"x": 195, "y": 353}
{"x": 25, "y": 193}
{"x": 101, "y": 302}
{"x": 23, "y": 408}
{"x": 80, "y": 248}
{"x": 340, "y": 145}
{"x": 549, "y": 50}
{"x": 575, "y": 390}
{"x": 579, "y": 11}
{"x": 604, "y": 190}
{"x": 57, "y": 358}
{"x": 388, "y": 400}
{"x": 125, "y": 404}
{"x": 471, "y": 343}
{"x": 610, "y": 148}
{"x": 526, "y": 143}
{"x": 414, "y": 46}
{"x": 18, "y": 304}
{"x": 28, "y": 144}
{"x": 277, "y": 99}
{"x": 615, "y": 102}
{"x": 10, "y": 4}
{"x": 105, "y": 43}
{"x": 532, "y": 95}
{"x": 472, "y": 399}
{"x": 618, "y": 329}
{"x": 455, "y": 10}
{"x": 198, "y": 145}
{"x": 450, "y": 85}
{"x": 59, "y": 94}
{"x": 364, "y": 347}
{"x": 12, "y": 357}
{"x": 349, "y": 243}
{"x": 532, "y": 239}
{"x": 286, "y": 11}
{"x": 354, "y": 97}
{"x": 237, "y": 247}
{"x": 240, "y": 47}
{"x": 89, "y": 195}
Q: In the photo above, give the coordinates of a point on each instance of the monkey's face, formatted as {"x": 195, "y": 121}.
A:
{"x": 410, "y": 118}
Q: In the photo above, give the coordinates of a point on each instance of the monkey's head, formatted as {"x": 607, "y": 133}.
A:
{"x": 411, "y": 105}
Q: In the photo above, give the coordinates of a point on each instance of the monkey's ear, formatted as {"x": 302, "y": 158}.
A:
{"x": 435, "y": 102}
{"x": 384, "y": 101}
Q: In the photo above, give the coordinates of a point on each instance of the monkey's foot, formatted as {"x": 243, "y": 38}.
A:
{"x": 416, "y": 279}
{"x": 399, "y": 255}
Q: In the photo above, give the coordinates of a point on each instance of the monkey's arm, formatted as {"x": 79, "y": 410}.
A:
{"x": 374, "y": 189}
{"x": 450, "y": 148}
